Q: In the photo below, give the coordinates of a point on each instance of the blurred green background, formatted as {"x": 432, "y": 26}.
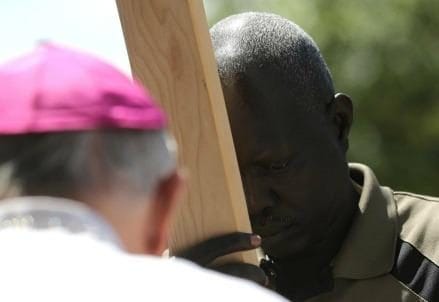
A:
{"x": 385, "y": 54}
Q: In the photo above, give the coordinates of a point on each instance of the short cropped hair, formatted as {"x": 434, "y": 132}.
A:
{"x": 65, "y": 164}
{"x": 254, "y": 40}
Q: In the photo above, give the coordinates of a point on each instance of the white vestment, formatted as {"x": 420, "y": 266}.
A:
{"x": 59, "y": 250}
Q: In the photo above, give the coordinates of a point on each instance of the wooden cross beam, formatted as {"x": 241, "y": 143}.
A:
{"x": 170, "y": 52}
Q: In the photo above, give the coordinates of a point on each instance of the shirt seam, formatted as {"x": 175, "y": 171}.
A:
{"x": 432, "y": 199}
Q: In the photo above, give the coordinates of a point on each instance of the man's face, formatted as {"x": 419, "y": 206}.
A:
{"x": 291, "y": 165}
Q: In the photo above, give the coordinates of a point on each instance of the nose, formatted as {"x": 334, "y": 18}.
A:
{"x": 258, "y": 194}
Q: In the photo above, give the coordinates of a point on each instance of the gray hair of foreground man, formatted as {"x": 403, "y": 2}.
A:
{"x": 67, "y": 164}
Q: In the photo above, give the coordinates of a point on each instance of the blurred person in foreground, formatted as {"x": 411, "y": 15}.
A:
{"x": 330, "y": 230}
{"x": 88, "y": 187}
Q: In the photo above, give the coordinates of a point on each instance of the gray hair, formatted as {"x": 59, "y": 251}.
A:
{"x": 255, "y": 40}
{"x": 65, "y": 164}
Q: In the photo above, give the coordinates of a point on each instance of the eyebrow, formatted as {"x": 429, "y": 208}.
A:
{"x": 266, "y": 155}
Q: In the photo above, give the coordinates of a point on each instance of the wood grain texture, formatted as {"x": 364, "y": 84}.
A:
{"x": 171, "y": 53}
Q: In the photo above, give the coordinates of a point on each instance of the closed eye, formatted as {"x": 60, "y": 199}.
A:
{"x": 279, "y": 166}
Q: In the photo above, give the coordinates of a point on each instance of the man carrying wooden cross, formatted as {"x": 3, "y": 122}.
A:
{"x": 331, "y": 232}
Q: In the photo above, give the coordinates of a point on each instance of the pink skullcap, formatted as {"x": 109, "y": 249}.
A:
{"x": 57, "y": 89}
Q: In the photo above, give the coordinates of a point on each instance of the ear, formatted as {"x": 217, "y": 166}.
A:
{"x": 160, "y": 213}
{"x": 343, "y": 117}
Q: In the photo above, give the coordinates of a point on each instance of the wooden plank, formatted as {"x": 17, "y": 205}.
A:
{"x": 171, "y": 53}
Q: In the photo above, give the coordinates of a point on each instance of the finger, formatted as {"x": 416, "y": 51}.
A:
{"x": 207, "y": 251}
{"x": 245, "y": 271}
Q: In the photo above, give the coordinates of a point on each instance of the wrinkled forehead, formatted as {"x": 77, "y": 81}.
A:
{"x": 265, "y": 118}
{"x": 264, "y": 98}
{"x": 266, "y": 85}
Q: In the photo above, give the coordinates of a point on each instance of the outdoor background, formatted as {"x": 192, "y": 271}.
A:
{"x": 385, "y": 55}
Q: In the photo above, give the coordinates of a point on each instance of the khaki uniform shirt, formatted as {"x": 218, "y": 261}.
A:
{"x": 391, "y": 252}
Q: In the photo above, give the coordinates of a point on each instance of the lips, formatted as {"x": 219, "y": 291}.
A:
{"x": 270, "y": 225}
{"x": 270, "y": 229}
{"x": 274, "y": 241}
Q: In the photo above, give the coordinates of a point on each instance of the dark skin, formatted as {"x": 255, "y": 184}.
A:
{"x": 299, "y": 194}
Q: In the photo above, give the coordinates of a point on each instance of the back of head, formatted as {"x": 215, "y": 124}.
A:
{"x": 72, "y": 124}
{"x": 250, "y": 44}
{"x": 75, "y": 127}
{"x": 79, "y": 163}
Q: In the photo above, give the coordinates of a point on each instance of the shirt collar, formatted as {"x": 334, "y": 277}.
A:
{"x": 41, "y": 212}
{"x": 369, "y": 248}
